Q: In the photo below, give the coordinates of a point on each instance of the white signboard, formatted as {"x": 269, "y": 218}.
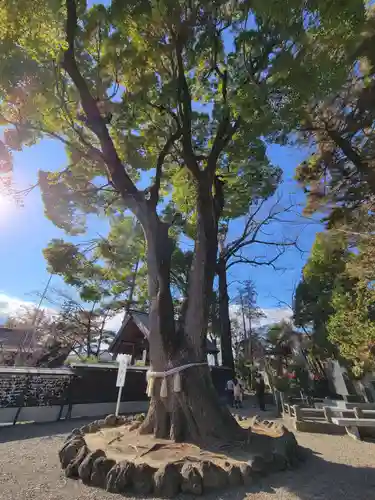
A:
{"x": 121, "y": 374}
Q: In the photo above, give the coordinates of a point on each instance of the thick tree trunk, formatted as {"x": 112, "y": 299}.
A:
{"x": 194, "y": 413}
{"x": 203, "y": 270}
{"x": 225, "y": 327}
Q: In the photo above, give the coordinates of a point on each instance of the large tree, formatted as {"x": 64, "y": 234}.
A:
{"x": 187, "y": 90}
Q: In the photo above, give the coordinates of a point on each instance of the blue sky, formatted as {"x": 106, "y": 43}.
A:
{"x": 25, "y": 232}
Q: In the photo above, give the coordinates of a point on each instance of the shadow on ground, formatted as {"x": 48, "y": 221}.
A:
{"x": 19, "y": 432}
{"x": 315, "y": 479}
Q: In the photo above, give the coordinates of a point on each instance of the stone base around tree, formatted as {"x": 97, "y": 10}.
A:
{"x": 111, "y": 454}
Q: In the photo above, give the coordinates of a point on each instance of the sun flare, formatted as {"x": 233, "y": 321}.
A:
{"x": 6, "y": 206}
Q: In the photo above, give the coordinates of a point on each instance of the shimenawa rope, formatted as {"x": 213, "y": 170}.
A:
{"x": 151, "y": 376}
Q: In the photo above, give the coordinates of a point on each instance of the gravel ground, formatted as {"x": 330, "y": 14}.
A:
{"x": 338, "y": 468}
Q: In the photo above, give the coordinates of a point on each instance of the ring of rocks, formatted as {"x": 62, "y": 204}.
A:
{"x": 195, "y": 477}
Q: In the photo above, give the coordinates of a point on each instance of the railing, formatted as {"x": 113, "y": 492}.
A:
{"x": 326, "y": 413}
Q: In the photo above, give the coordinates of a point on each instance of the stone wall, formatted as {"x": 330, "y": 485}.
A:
{"x": 28, "y": 387}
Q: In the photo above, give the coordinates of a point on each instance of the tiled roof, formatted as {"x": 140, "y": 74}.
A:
{"x": 141, "y": 319}
{"x": 12, "y": 338}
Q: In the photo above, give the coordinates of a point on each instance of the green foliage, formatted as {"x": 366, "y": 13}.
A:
{"x": 352, "y": 327}
{"x": 281, "y": 383}
{"x": 335, "y": 299}
{"x": 276, "y": 47}
{"x": 106, "y": 267}
{"x": 324, "y": 271}
{"x": 338, "y": 176}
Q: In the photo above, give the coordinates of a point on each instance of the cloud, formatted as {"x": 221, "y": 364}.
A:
{"x": 271, "y": 315}
{"x": 13, "y": 307}
{"x": 275, "y": 315}
{"x": 10, "y": 305}
{"x": 115, "y": 322}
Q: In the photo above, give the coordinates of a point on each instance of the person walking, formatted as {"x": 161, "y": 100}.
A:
{"x": 260, "y": 387}
{"x": 229, "y": 390}
{"x": 237, "y": 393}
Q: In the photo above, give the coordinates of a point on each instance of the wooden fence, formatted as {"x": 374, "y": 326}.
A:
{"x": 46, "y": 395}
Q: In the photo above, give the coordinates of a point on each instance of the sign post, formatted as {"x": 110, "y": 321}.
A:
{"x": 120, "y": 382}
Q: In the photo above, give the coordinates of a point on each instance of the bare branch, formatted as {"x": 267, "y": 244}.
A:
{"x": 253, "y": 228}
{"x": 255, "y": 262}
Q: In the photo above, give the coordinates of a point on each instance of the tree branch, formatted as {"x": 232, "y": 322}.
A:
{"x": 254, "y": 262}
{"x": 168, "y": 111}
{"x": 184, "y": 98}
{"x": 231, "y": 248}
{"x": 155, "y": 188}
{"x": 116, "y": 169}
{"x": 225, "y": 130}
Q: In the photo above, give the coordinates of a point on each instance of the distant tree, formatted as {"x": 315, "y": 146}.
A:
{"x": 351, "y": 327}
{"x": 324, "y": 271}
{"x": 30, "y": 316}
{"x": 84, "y": 329}
{"x": 69, "y": 328}
{"x": 41, "y": 345}
{"x": 249, "y": 313}
{"x": 234, "y": 251}
{"x": 279, "y": 346}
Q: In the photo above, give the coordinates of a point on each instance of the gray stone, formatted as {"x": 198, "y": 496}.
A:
{"x": 279, "y": 462}
{"x": 75, "y": 432}
{"x": 287, "y": 446}
{"x": 167, "y": 481}
{"x": 122, "y": 420}
{"x": 119, "y": 478}
{"x": 85, "y": 469}
{"x": 100, "y": 469}
{"x": 72, "y": 469}
{"x": 234, "y": 475}
{"x": 191, "y": 480}
{"x": 70, "y": 450}
{"x": 85, "y": 429}
{"x": 257, "y": 464}
{"x": 93, "y": 427}
{"x": 101, "y": 423}
{"x": 135, "y": 425}
{"x": 247, "y": 473}
{"x": 110, "y": 421}
{"x": 143, "y": 479}
{"x": 213, "y": 476}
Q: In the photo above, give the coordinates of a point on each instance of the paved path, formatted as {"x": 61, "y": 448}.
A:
{"x": 340, "y": 468}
